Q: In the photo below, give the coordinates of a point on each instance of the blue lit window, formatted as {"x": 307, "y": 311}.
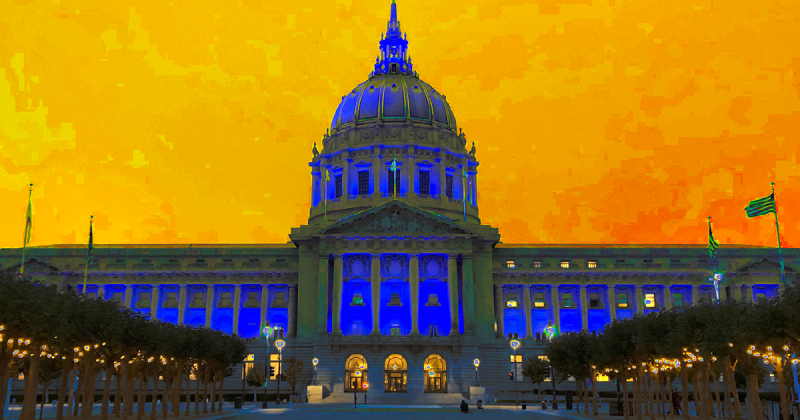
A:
{"x": 622, "y": 300}
{"x": 363, "y": 182}
{"x": 338, "y": 187}
{"x": 424, "y": 182}
{"x": 677, "y": 300}
{"x": 448, "y": 186}
{"x": 566, "y": 300}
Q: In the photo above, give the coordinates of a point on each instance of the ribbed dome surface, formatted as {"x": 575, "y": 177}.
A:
{"x": 393, "y": 97}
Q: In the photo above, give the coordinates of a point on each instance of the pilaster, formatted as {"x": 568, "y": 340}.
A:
{"x": 668, "y": 297}
{"x": 499, "y": 310}
{"x": 264, "y": 300}
{"x": 292, "y": 311}
{"x": 556, "y": 305}
{"x": 337, "y": 294}
{"x": 322, "y": 296}
{"x": 154, "y": 302}
{"x": 413, "y": 267}
{"x": 452, "y": 289}
{"x": 695, "y": 295}
{"x": 526, "y": 299}
{"x": 209, "y": 304}
{"x": 468, "y": 295}
{"x": 237, "y": 305}
{"x": 375, "y": 283}
{"x": 128, "y": 296}
{"x": 412, "y": 169}
{"x": 584, "y": 309}
{"x": 639, "y": 300}
{"x": 182, "y": 305}
{"x": 612, "y": 303}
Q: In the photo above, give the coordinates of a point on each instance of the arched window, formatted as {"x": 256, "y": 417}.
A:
{"x": 395, "y": 374}
{"x": 355, "y": 373}
{"x": 435, "y": 374}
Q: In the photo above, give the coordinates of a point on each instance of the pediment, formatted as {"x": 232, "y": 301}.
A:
{"x": 32, "y": 266}
{"x": 396, "y": 218}
{"x": 764, "y": 266}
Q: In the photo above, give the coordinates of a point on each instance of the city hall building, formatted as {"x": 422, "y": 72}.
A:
{"x": 394, "y": 283}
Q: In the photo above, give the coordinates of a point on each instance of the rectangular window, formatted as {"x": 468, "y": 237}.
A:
{"x": 448, "y": 186}
{"x": 649, "y": 300}
{"x": 424, "y": 182}
{"x": 622, "y": 300}
{"x": 390, "y": 175}
{"x": 274, "y": 363}
{"x": 338, "y": 186}
{"x": 358, "y": 300}
{"x": 537, "y": 264}
{"x": 538, "y": 300}
{"x": 511, "y": 300}
{"x": 394, "y": 330}
{"x": 592, "y": 264}
{"x": 510, "y": 264}
{"x": 363, "y": 182}
{"x": 677, "y": 300}
{"x": 594, "y": 301}
{"x": 566, "y": 301}
{"x": 565, "y": 264}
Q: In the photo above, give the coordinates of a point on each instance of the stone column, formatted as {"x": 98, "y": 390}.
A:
{"x": 442, "y": 175}
{"x": 747, "y": 293}
{"x": 375, "y": 280}
{"x": 264, "y": 300}
{"x": 695, "y": 295}
{"x": 128, "y": 296}
{"x": 412, "y": 168}
{"x": 181, "y": 304}
{"x": 315, "y": 186}
{"x": 101, "y": 291}
{"x": 556, "y": 306}
{"x": 292, "y": 310}
{"x": 612, "y": 303}
{"x": 209, "y": 304}
{"x": 154, "y": 302}
{"x": 322, "y": 295}
{"x": 475, "y": 188}
{"x": 667, "y": 298}
{"x": 376, "y": 172}
{"x": 337, "y": 294}
{"x": 413, "y": 267}
{"x": 345, "y": 177}
{"x": 584, "y": 309}
{"x": 237, "y": 305}
{"x": 639, "y": 299}
{"x": 468, "y": 294}
{"x": 452, "y": 288}
{"x": 526, "y": 296}
{"x": 499, "y": 310}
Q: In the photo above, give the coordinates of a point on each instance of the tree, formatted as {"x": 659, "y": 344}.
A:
{"x": 536, "y": 370}
{"x": 255, "y": 378}
{"x": 293, "y": 368}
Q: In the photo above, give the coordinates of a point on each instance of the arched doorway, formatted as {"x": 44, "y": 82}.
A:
{"x": 355, "y": 373}
{"x": 435, "y": 374}
{"x": 395, "y": 374}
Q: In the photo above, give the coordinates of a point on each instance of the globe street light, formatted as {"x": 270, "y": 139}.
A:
{"x": 314, "y": 362}
{"x": 279, "y": 344}
{"x": 514, "y": 345}
{"x": 477, "y": 362}
{"x": 266, "y": 331}
{"x": 551, "y": 331}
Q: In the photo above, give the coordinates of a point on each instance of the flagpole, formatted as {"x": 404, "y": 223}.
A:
{"x": 464, "y": 190}
{"x": 778, "y": 230}
{"x": 394, "y": 171}
{"x": 325, "y": 192}
{"x": 27, "y": 233}
{"x": 88, "y": 256}
{"x": 713, "y": 251}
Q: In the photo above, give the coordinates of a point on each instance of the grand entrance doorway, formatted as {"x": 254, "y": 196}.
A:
{"x": 395, "y": 374}
{"x": 435, "y": 374}
{"x": 355, "y": 373}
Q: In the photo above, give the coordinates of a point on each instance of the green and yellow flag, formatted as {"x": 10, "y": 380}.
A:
{"x": 712, "y": 243}
{"x": 761, "y": 206}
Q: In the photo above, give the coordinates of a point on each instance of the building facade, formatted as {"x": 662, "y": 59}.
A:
{"x": 394, "y": 283}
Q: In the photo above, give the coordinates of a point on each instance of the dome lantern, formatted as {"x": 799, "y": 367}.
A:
{"x": 394, "y": 48}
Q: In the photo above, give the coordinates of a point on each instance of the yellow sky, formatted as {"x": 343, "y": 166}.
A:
{"x": 595, "y": 121}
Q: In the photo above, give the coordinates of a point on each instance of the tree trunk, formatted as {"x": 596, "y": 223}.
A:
{"x": 214, "y": 395}
{"x": 785, "y": 399}
{"x": 66, "y": 369}
{"x": 188, "y": 391}
{"x": 716, "y": 394}
{"x": 117, "y": 391}
{"x": 78, "y": 385}
{"x": 753, "y": 401}
{"x": 205, "y": 391}
{"x": 5, "y": 373}
{"x": 197, "y": 392}
{"x": 142, "y": 397}
{"x": 699, "y": 408}
{"x": 595, "y": 398}
{"x": 177, "y": 380}
{"x": 726, "y": 392}
{"x": 44, "y": 401}
{"x": 221, "y": 393}
{"x": 154, "y": 399}
{"x": 585, "y": 396}
{"x": 29, "y": 399}
{"x": 166, "y": 399}
{"x": 88, "y": 392}
{"x": 106, "y": 393}
{"x": 625, "y": 404}
{"x": 684, "y": 392}
{"x": 649, "y": 395}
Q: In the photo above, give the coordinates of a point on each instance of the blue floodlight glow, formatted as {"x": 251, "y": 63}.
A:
{"x": 571, "y": 318}
{"x": 278, "y": 306}
{"x": 222, "y": 312}
{"x": 597, "y": 318}
{"x": 168, "y": 301}
{"x": 195, "y": 312}
{"x": 250, "y": 311}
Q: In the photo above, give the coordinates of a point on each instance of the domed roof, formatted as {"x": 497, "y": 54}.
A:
{"x": 393, "y": 97}
{"x": 393, "y": 91}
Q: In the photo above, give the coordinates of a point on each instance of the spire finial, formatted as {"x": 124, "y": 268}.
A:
{"x": 394, "y": 47}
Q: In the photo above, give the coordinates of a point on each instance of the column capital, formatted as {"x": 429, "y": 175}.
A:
{"x": 413, "y": 256}
{"x": 337, "y": 256}
{"x": 374, "y": 257}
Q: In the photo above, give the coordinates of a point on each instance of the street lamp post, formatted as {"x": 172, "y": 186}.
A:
{"x": 279, "y": 344}
{"x": 314, "y": 362}
{"x": 514, "y": 345}
{"x": 267, "y": 333}
{"x": 550, "y": 331}
{"x": 477, "y": 363}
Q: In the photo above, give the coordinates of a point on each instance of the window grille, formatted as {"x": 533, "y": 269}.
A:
{"x": 424, "y": 182}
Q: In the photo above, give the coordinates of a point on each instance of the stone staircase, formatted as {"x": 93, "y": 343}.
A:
{"x": 397, "y": 399}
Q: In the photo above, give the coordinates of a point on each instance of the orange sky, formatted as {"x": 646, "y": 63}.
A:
{"x": 595, "y": 121}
